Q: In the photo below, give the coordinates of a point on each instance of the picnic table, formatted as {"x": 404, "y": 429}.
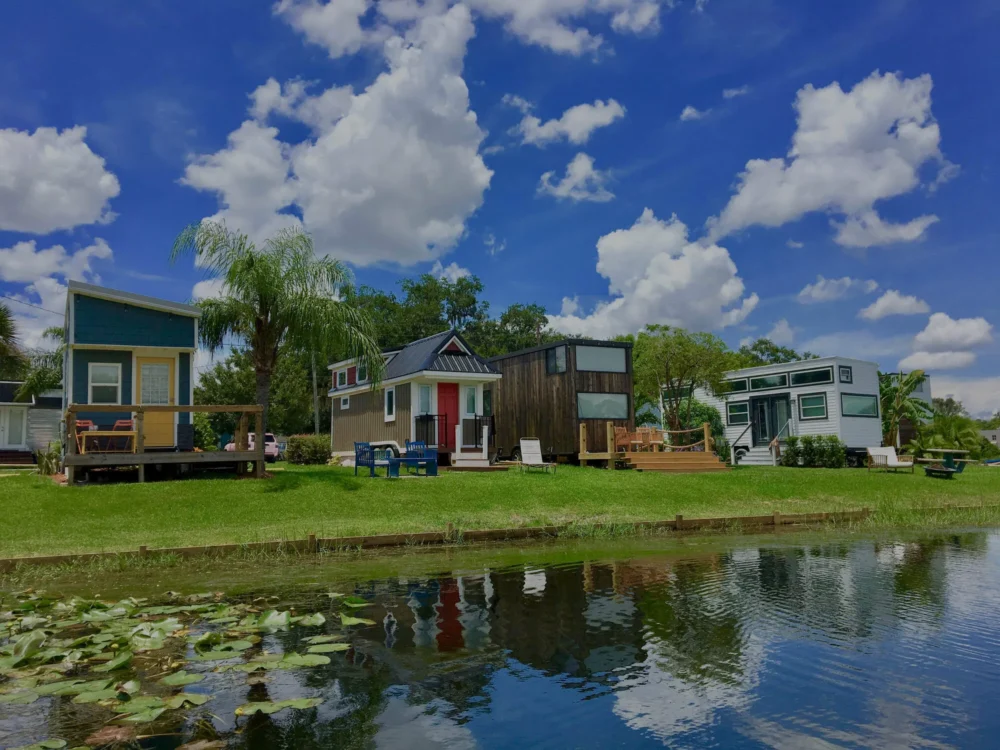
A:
{"x": 428, "y": 462}
{"x": 949, "y": 465}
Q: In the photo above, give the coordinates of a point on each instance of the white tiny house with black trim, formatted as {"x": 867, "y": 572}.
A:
{"x": 827, "y": 396}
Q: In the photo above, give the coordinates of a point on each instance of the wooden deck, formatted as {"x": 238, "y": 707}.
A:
{"x": 81, "y": 456}
{"x": 676, "y": 462}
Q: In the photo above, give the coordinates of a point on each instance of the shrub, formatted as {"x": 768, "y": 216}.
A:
{"x": 792, "y": 453}
{"x": 308, "y": 449}
{"x": 204, "y": 434}
{"x": 809, "y": 451}
{"x": 49, "y": 459}
{"x": 723, "y": 450}
{"x": 836, "y": 453}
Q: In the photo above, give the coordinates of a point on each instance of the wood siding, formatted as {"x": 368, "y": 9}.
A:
{"x": 103, "y": 322}
{"x": 528, "y": 402}
{"x": 43, "y": 428}
{"x": 364, "y": 420}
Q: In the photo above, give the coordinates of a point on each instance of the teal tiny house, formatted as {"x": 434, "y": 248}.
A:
{"x": 128, "y": 349}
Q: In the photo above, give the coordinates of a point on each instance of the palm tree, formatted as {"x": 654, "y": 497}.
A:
{"x": 45, "y": 368}
{"x": 898, "y": 402}
{"x": 280, "y": 293}
{"x": 11, "y": 358}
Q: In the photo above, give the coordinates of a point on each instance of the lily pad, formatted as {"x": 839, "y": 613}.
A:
{"x": 143, "y": 717}
{"x": 82, "y": 687}
{"x": 354, "y": 601}
{"x": 324, "y": 638}
{"x": 329, "y": 648}
{"x": 272, "y": 707}
{"x": 44, "y": 745}
{"x": 314, "y": 620}
{"x": 96, "y": 697}
{"x": 23, "y": 698}
{"x": 290, "y": 661}
{"x": 120, "y": 661}
{"x": 187, "y": 699}
{"x": 274, "y": 620}
{"x": 179, "y": 679}
{"x": 347, "y": 621}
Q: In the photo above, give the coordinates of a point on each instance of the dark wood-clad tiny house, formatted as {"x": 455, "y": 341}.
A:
{"x": 548, "y": 391}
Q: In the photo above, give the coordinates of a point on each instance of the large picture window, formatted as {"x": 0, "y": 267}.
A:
{"x": 855, "y": 405}
{"x": 104, "y": 383}
{"x": 764, "y": 382}
{"x": 737, "y": 386}
{"x": 555, "y": 360}
{"x": 600, "y": 359}
{"x": 812, "y": 406}
{"x": 813, "y": 377}
{"x": 602, "y": 405}
{"x": 738, "y": 412}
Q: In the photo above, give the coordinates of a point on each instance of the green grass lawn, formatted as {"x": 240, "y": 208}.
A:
{"x": 38, "y": 517}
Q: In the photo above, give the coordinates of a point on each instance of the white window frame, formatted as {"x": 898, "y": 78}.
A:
{"x": 345, "y": 403}
{"x": 385, "y": 404}
{"x": 826, "y": 407}
{"x": 430, "y": 399}
{"x": 90, "y": 382}
{"x": 729, "y": 413}
{"x": 358, "y": 371}
{"x": 465, "y": 400}
{"x": 339, "y": 373}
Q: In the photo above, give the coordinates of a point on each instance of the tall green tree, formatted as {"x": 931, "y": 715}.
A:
{"x": 899, "y": 403}
{"x": 12, "y": 360}
{"x": 281, "y": 293}
{"x": 44, "y": 367}
{"x": 949, "y": 407}
{"x": 674, "y": 362}
{"x": 765, "y": 352}
{"x": 518, "y": 327}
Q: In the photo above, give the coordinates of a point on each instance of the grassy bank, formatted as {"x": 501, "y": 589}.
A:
{"x": 38, "y": 517}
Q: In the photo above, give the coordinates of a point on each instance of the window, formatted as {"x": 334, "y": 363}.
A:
{"x": 555, "y": 360}
{"x": 846, "y": 374}
{"x": 764, "y": 382}
{"x": 812, "y": 406}
{"x": 813, "y": 377}
{"x": 470, "y": 400}
{"x": 602, "y": 405}
{"x": 362, "y": 373}
{"x": 487, "y": 403}
{"x": 424, "y": 399}
{"x": 345, "y": 403}
{"x": 104, "y": 383}
{"x": 341, "y": 378}
{"x": 738, "y": 412}
{"x": 737, "y": 386}
{"x": 854, "y": 405}
{"x": 390, "y": 404}
{"x": 600, "y": 359}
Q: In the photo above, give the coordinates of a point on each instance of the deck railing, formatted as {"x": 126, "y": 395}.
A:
{"x": 79, "y": 455}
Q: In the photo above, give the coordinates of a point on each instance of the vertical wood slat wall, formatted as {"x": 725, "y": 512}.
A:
{"x": 528, "y": 402}
{"x": 364, "y": 419}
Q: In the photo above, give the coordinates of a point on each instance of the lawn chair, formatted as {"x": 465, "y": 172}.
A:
{"x": 886, "y": 458}
{"x": 115, "y": 444}
{"x": 531, "y": 456}
{"x": 364, "y": 456}
{"x": 83, "y": 426}
{"x": 623, "y": 441}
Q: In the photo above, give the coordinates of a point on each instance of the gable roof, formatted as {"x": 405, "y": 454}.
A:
{"x": 129, "y": 298}
{"x": 426, "y": 355}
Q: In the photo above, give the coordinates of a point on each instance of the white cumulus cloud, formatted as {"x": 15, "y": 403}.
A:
{"x": 580, "y": 183}
{"x": 980, "y": 396}
{"x": 827, "y": 290}
{"x": 452, "y": 272}
{"x": 894, "y": 303}
{"x": 335, "y": 25}
{"x": 690, "y": 113}
{"x": 51, "y": 180}
{"x": 208, "y": 289}
{"x": 850, "y": 150}
{"x": 391, "y": 174}
{"x": 937, "y": 361}
{"x": 47, "y": 297}
{"x": 24, "y": 262}
{"x": 656, "y": 275}
{"x": 782, "y": 333}
{"x": 944, "y": 334}
{"x": 575, "y": 125}
{"x": 735, "y": 92}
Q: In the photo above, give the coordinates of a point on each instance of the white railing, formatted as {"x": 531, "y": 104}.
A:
{"x": 732, "y": 446}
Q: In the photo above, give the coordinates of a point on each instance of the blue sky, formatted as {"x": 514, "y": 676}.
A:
{"x": 545, "y": 146}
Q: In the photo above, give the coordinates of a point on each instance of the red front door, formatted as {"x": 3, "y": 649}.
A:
{"x": 447, "y": 406}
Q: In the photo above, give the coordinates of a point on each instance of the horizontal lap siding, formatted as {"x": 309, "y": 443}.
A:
{"x": 364, "y": 420}
{"x": 105, "y": 323}
{"x": 43, "y": 428}
{"x": 81, "y": 395}
{"x": 861, "y": 432}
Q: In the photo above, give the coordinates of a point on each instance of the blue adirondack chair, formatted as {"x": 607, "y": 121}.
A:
{"x": 364, "y": 456}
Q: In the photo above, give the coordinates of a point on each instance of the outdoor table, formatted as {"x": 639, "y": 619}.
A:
{"x": 129, "y": 443}
{"x": 948, "y": 456}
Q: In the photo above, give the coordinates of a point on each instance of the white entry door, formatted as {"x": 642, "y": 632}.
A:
{"x": 13, "y": 428}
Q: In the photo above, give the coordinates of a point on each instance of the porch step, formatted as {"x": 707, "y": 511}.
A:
{"x": 17, "y": 458}
{"x": 760, "y": 456}
{"x": 462, "y": 462}
{"x": 680, "y": 462}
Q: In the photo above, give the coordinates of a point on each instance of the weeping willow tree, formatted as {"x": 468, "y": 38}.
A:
{"x": 276, "y": 294}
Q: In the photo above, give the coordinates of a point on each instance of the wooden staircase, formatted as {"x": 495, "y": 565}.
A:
{"x": 676, "y": 462}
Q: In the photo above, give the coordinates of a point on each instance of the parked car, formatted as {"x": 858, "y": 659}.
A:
{"x": 271, "y": 450}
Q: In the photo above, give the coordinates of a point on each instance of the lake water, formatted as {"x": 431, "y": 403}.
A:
{"x": 755, "y": 643}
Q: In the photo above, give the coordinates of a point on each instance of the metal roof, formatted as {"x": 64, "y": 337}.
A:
{"x": 129, "y": 298}
{"x": 425, "y": 354}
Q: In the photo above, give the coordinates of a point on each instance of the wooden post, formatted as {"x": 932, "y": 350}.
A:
{"x": 313, "y": 546}
{"x": 241, "y": 440}
{"x": 678, "y": 522}
{"x": 777, "y": 518}
{"x": 140, "y": 440}
{"x": 70, "y": 445}
{"x": 612, "y": 453}
{"x": 708, "y": 437}
{"x": 583, "y": 444}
